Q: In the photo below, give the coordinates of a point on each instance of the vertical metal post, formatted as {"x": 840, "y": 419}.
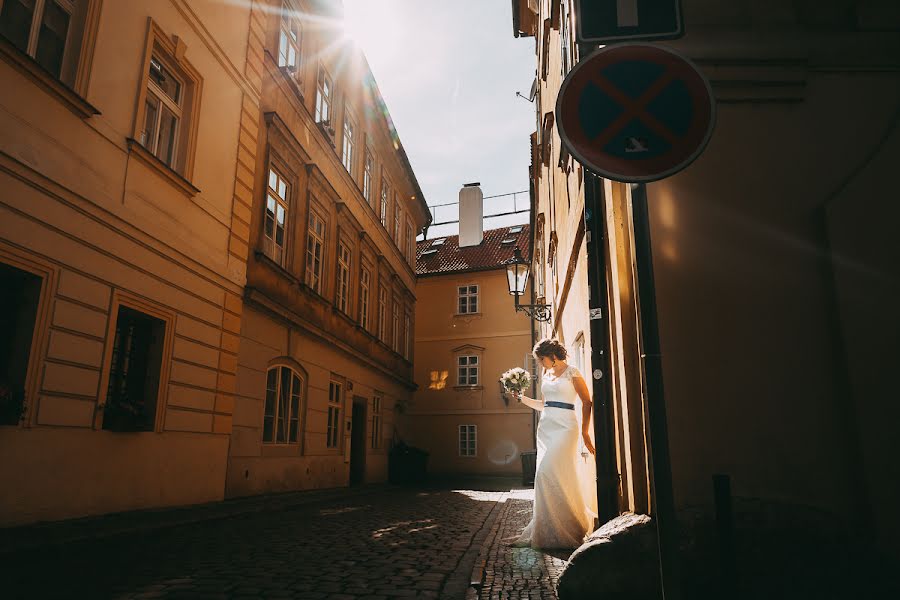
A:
{"x": 602, "y": 393}
{"x": 661, "y": 495}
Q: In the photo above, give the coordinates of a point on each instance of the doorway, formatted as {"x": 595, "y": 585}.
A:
{"x": 358, "y": 441}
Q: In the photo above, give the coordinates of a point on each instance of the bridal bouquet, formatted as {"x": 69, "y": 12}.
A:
{"x": 515, "y": 380}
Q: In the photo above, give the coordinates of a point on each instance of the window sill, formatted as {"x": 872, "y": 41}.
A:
{"x": 468, "y": 388}
{"x": 293, "y": 84}
{"x": 328, "y": 132}
{"x": 344, "y": 315}
{"x": 30, "y": 68}
{"x": 464, "y": 315}
{"x": 313, "y": 293}
{"x": 265, "y": 259}
{"x": 136, "y": 149}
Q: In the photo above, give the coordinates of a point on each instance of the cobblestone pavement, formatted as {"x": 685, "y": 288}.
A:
{"x": 507, "y": 572}
{"x": 386, "y": 542}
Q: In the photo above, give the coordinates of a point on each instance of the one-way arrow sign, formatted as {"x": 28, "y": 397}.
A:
{"x": 608, "y": 21}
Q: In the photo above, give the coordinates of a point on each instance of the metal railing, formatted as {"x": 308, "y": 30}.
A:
{"x": 515, "y": 200}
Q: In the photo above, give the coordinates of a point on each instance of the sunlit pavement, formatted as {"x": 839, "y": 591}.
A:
{"x": 375, "y": 542}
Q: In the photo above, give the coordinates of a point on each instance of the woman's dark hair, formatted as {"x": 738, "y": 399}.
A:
{"x": 549, "y": 348}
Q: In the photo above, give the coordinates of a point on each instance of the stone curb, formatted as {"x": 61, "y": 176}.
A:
{"x": 476, "y": 578}
{"x": 459, "y": 581}
{"x": 29, "y": 537}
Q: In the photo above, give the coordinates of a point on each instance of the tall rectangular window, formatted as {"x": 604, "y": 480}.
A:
{"x": 324, "y": 94}
{"x": 289, "y": 41}
{"x": 395, "y": 325}
{"x": 468, "y": 440}
{"x": 410, "y": 244}
{"x": 163, "y": 112}
{"x": 49, "y": 31}
{"x": 333, "y": 429}
{"x": 281, "y": 419}
{"x": 343, "y": 282}
{"x": 364, "y": 283}
{"x": 407, "y": 336}
{"x": 276, "y": 216}
{"x": 467, "y": 370}
{"x": 382, "y": 313}
{"x": 368, "y": 174}
{"x": 376, "y": 421}
{"x": 397, "y": 218}
{"x": 135, "y": 368}
{"x": 315, "y": 250}
{"x": 20, "y": 297}
{"x": 539, "y": 268}
{"x": 348, "y": 143}
{"x": 385, "y": 194}
{"x": 467, "y": 299}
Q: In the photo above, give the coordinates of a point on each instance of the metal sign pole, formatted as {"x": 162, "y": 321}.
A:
{"x": 601, "y": 366}
{"x": 661, "y": 495}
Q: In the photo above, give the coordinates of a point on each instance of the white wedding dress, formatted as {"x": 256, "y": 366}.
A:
{"x": 564, "y": 496}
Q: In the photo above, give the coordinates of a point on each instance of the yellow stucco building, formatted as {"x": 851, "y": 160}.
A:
{"x": 326, "y": 339}
{"x": 122, "y": 250}
{"x": 467, "y": 334}
{"x": 774, "y": 260}
{"x": 207, "y": 233}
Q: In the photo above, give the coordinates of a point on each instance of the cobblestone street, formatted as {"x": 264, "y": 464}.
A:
{"x": 374, "y": 542}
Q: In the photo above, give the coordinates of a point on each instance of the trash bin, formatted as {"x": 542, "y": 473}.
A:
{"x": 529, "y": 465}
{"x": 407, "y": 464}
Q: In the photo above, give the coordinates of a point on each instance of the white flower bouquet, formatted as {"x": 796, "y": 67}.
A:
{"x": 515, "y": 380}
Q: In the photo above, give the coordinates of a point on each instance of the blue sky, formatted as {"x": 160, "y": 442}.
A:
{"x": 449, "y": 72}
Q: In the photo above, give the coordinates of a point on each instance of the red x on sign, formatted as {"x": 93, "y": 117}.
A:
{"x": 635, "y": 112}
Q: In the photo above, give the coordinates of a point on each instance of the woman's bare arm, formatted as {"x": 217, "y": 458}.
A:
{"x": 530, "y": 402}
{"x": 582, "y": 390}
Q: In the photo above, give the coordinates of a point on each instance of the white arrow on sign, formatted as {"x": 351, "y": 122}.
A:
{"x": 627, "y": 13}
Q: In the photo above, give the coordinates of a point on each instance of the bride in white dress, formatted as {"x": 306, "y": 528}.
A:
{"x": 562, "y": 514}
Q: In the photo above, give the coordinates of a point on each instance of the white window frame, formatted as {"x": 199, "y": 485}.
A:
{"x": 333, "y": 426}
{"x": 277, "y": 199}
{"x": 296, "y": 391}
{"x": 466, "y": 366}
{"x": 347, "y": 142}
{"x": 345, "y": 259}
{"x": 395, "y": 325}
{"x": 37, "y": 19}
{"x": 398, "y": 217}
{"x": 410, "y": 245}
{"x": 382, "y": 313}
{"x": 407, "y": 338}
{"x": 290, "y": 37}
{"x": 324, "y": 95}
{"x": 163, "y": 100}
{"x": 385, "y": 193}
{"x": 365, "y": 281}
{"x": 315, "y": 252}
{"x": 468, "y": 440}
{"x": 377, "y": 400}
{"x": 466, "y": 299}
{"x": 368, "y": 174}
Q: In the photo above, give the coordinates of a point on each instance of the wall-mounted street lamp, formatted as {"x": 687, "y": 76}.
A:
{"x": 517, "y": 278}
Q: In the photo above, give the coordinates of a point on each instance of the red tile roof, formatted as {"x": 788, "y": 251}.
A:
{"x": 491, "y": 253}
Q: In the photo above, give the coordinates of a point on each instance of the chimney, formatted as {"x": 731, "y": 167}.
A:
{"x": 471, "y": 215}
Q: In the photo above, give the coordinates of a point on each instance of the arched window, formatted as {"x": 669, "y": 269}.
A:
{"x": 281, "y": 422}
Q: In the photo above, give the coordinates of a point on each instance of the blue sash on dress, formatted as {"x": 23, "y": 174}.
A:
{"x": 555, "y": 404}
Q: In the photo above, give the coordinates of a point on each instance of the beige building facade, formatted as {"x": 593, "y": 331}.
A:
{"x": 122, "y": 253}
{"x": 329, "y": 307}
{"x": 773, "y": 260}
{"x": 207, "y": 240}
{"x": 467, "y": 334}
